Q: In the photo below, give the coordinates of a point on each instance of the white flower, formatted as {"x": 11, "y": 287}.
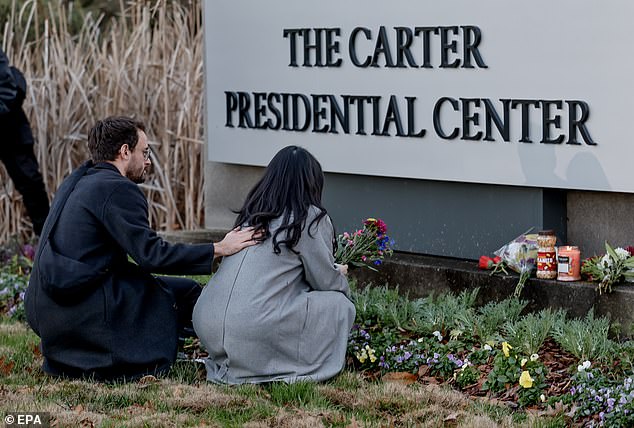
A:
{"x": 606, "y": 262}
{"x": 438, "y": 335}
{"x": 622, "y": 253}
{"x": 534, "y": 357}
{"x": 542, "y": 398}
{"x": 584, "y": 366}
{"x": 524, "y": 361}
{"x": 420, "y": 340}
{"x": 487, "y": 347}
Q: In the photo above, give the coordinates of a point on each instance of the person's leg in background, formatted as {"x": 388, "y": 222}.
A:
{"x": 21, "y": 165}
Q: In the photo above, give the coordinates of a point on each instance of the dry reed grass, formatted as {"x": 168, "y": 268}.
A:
{"x": 146, "y": 63}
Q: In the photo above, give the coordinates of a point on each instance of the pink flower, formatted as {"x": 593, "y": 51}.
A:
{"x": 381, "y": 226}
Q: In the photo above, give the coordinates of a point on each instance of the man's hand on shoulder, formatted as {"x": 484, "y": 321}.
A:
{"x": 236, "y": 240}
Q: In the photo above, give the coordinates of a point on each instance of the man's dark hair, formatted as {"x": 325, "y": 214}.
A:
{"x": 292, "y": 182}
{"x": 108, "y": 135}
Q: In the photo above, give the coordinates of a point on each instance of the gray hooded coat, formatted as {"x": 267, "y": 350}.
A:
{"x": 277, "y": 317}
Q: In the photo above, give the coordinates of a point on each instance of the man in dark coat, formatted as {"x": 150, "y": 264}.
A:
{"x": 97, "y": 313}
{"x": 16, "y": 144}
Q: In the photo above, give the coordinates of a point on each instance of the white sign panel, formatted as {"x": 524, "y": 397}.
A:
{"x": 535, "y": 93}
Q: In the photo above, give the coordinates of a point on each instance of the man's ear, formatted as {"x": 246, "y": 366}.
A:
{"x": 124, "y": 152}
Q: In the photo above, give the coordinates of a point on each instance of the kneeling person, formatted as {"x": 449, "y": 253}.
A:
{"x": 279, "y": 311}
{"x": 97, "y": 313}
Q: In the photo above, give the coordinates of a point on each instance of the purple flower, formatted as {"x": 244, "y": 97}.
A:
{"x": 28, "y": 251}
{"x": 407, "y": 355}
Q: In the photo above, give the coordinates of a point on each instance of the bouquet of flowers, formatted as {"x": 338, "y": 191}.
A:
{"x": 519, "y": 255}
{"x": 617, "y": 264}
{"x": 365, "y": 247}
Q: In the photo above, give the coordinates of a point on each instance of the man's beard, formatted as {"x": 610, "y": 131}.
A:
{"x": 135, "y": 177}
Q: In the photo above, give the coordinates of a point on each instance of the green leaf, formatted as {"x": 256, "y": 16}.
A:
{"x": 611, "y": 252}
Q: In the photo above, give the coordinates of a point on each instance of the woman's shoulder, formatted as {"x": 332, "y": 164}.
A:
{"x": 314, "y": 212}
{"x": 316, "y": 221}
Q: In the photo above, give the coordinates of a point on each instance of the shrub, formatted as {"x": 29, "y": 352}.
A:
{"x": 586, "y": 339}
{"x": 493, "y": 315}
{"x": 528, "y": 333}
{"x": 382, "y": 305}
{"x": 446, "y": 314}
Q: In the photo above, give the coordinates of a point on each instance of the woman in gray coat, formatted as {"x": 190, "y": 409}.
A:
{"x": 279, "y": 311}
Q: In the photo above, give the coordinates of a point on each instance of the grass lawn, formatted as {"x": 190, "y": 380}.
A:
{"x": 184, "y": 398}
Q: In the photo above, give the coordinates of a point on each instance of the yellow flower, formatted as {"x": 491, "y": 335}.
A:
{"x": 526, "y": 381}
{"x": 362, "y": 356}
{"x": 370, "y": 353}
{"x": 505, "y": 348}
{"x": 373, "y": 220}
{"x": 524, "y": 361}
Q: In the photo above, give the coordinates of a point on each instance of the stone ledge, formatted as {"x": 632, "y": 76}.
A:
{"x": 198, "y": 236}
{"x": 420, "y": 275}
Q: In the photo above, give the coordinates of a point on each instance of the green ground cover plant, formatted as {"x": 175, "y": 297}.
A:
{"x": 433, "y": 361}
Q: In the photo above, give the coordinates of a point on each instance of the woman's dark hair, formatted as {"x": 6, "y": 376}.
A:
{"x": 108, "y": 135}
{"x": 292, "y": 182}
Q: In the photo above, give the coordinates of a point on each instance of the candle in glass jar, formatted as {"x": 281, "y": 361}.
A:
{"x": 568, "y": 263}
